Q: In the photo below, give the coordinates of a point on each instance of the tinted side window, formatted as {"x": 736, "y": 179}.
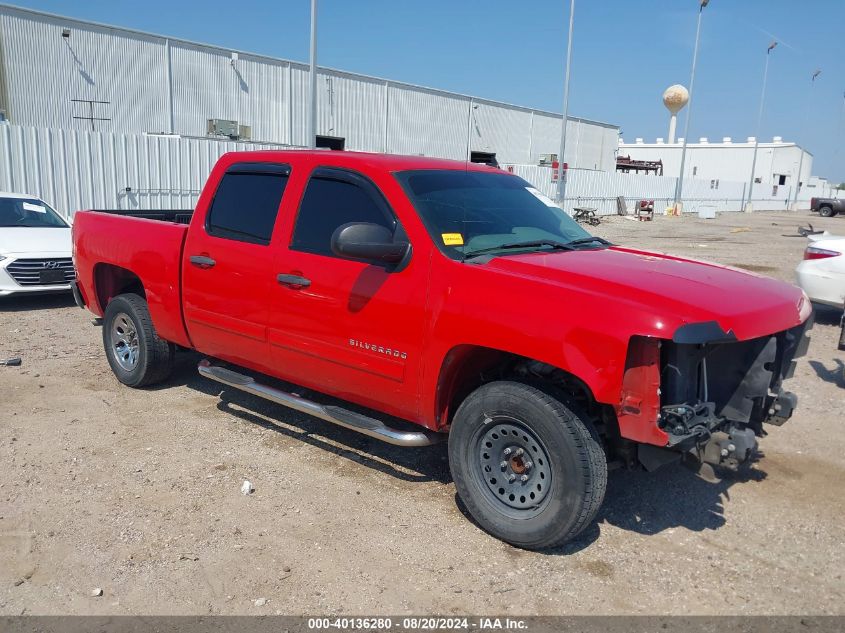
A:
{"x": 329, "y": 203}
{"x": 245, "y": 206}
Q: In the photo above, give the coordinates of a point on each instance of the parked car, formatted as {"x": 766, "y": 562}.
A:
{"x": 827, "y": 207}
{"x": 35, "y": 246}
{"x": 821, "y": 274}
{"x": 458, "y": 298}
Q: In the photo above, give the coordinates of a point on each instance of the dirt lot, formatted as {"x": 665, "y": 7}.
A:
{"x": 138, "y": 492}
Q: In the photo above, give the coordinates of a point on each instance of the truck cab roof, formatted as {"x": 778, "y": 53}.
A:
{"x": 386, "y": 162}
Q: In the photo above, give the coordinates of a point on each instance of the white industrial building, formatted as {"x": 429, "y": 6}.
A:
{"x": 62, "y": 73}
{"x": 779, "y": 162}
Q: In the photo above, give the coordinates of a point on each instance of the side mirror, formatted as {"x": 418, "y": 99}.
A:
{"x": 363, "y": 240}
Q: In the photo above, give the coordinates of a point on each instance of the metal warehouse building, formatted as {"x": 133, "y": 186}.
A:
{"x": 778, "y": 162}
{"x": 58, "y": 72}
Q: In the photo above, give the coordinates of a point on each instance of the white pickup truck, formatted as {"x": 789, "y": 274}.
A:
{"x": 35, "y": 246}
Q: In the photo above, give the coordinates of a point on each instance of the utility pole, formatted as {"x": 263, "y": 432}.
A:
{"x": 759, "y": 123}
{"x": 312, "y": 81}
{"x": 561, "y": 172}
{"x": 806, "y": 118}
{"x": 679, "y": 185}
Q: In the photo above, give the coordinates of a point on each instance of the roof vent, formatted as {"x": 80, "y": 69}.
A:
{"x": 660, "y": 141}
{"x": 638, "y": 141}
{"x": 703, "y": 140}
{"x": 726, "y": 139}
{"x": 751, "y": 139}
{"x": 778, "y": 139}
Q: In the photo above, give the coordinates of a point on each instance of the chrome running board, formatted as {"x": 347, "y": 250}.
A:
{"x": 336, "y": 415}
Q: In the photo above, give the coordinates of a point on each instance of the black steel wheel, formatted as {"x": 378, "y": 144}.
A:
{"x": 514, "y": 465}
{"x": 529, "y": 468}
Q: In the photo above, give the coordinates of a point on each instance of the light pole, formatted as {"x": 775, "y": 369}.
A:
{"x": 312, "y": 81}
{"x": 759, "y": 123}
{"x": 806, "y": 118}
{"x": 561, "y": 172}
{"x": 472, "y": 108}
{"x": 679, "y": 186}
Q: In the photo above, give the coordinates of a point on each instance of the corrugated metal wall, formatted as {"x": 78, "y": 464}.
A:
{"x": 77, "y": 170}
{"x": 427, "y": 123}
{"x": 157, "y": 84}
{"x": 45, "y": 71}
{"x": 352, "y": 108}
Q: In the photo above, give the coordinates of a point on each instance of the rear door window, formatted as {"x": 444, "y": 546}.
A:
{"x": 247, "y": 201}
{"x": 333, "y": 198}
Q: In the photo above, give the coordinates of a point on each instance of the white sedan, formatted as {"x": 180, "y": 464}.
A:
{"x": 35, "y": 246}
{"x": 822, "y": 273}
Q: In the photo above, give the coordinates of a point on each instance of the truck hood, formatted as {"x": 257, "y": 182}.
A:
{"x": 673, "y": 289}
{"x": 24, "y": 240}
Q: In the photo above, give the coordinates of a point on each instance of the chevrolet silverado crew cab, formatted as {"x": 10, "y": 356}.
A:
{"x": 460, "y": 299}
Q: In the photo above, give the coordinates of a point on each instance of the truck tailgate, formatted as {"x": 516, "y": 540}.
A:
{"x": 150, "y": 250}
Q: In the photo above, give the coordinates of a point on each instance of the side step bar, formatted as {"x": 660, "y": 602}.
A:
{"x": 336, "y": 415}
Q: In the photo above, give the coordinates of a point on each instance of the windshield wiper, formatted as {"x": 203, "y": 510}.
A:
{"x": 527, "y": 244}
{"x": 587, "y": 240}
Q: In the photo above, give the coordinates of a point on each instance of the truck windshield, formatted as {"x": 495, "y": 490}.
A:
{"x": 471, "y": 213}
{"x": 28, "y": 212}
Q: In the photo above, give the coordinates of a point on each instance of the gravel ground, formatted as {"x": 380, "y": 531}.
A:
{"x": 138, "y": 492}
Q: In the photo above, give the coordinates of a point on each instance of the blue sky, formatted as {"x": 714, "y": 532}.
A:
{"x": 625, "y": 54}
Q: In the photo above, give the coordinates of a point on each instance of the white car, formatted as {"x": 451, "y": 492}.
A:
{"x": 822, "y": 273}
{"x": 35, "y": 246}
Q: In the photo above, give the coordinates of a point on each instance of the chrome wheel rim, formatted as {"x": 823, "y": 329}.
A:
{"x": 513, "y": 465}
{"x": 124, "y": 342}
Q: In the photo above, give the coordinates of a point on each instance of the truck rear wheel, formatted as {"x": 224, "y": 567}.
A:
{"x": 530, "y": 470}
{"x": 136, "y": 354}
{"x": 826, "y": 211}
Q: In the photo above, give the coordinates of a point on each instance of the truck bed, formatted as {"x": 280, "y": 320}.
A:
{"x": 148, "y": 247}
{"x": 179, "y": 216}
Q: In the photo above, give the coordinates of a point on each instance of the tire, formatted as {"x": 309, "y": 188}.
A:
{"x": 136, "y": 354}
{"x": 842, "y": 333}
{"x": 826, "y": 212}
{"x": 566, "y": 473}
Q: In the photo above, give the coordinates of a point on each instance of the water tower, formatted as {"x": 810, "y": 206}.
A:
{"x": 675, "y": 98}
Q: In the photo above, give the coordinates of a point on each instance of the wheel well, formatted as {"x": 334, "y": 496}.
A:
{"x": 467, "y": 367}
{"x": 110, "y": 281}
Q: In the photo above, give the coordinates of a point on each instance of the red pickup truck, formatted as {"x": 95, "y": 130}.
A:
{"x": 456, "y": 297}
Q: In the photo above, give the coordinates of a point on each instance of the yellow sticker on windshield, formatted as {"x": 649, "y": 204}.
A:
{"x": 452, "y": 239}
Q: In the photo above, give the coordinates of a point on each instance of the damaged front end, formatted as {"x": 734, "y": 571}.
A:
{"x": 715, "y": 392}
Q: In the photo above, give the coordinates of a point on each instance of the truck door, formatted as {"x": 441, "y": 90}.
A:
{"x": 227, "y": 269}
{"x": 342, "y": 326}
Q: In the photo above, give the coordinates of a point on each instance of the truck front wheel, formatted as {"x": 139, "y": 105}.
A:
{"x": 136, "y": 354}
{"x": 529, "y": 469}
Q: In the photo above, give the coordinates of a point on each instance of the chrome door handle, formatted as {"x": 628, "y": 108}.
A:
{"x": 201, "y": 261}
{"x": 293, "y": 281}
